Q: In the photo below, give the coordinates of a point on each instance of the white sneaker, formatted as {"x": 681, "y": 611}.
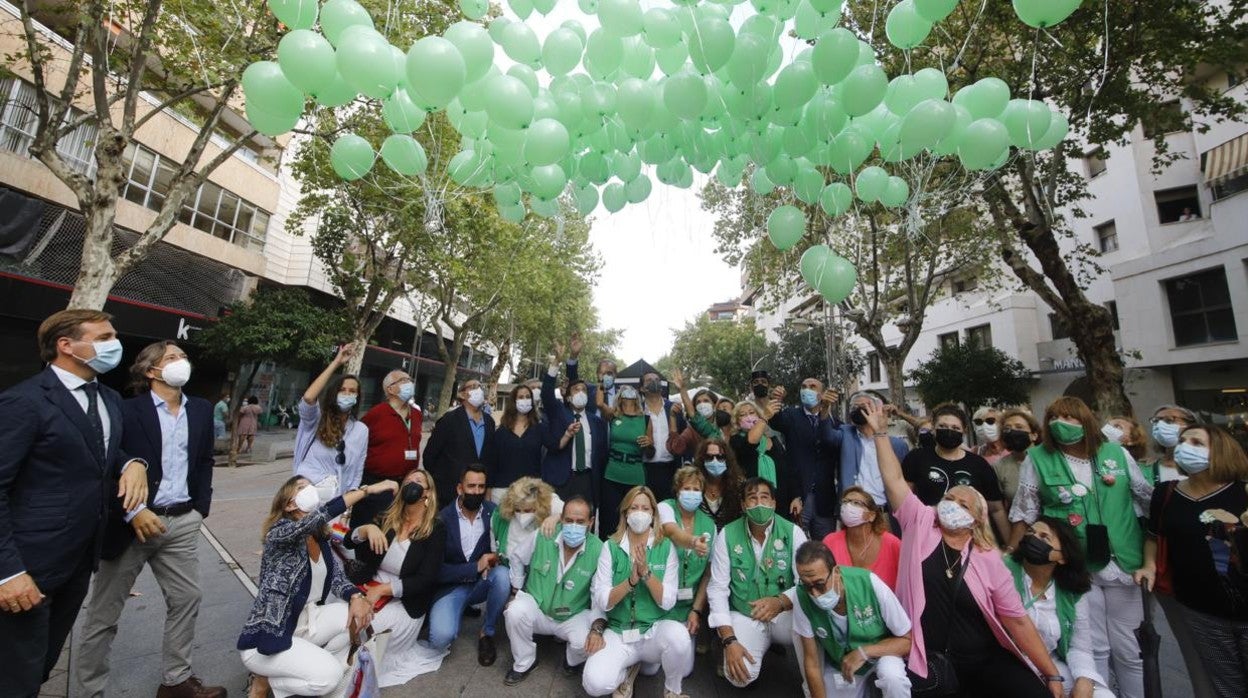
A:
{"x": 669, "y": 694}
{"x": 625, "y": 690}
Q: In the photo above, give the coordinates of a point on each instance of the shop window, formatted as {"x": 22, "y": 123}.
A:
{"x": 1059, "y": 327}
{"x": 948, "y": 340}
{"x": 1094, "y": 162}
{"x": 873, "y": 367}
{"x": 1177, "y": 205}
{"x": 1169, "y": 118}
{"x": 1200, "y": 308}
{"x": 1106, "y": 237}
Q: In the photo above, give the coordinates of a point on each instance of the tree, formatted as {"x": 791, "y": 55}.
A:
{"x": 718, "y": 353}
{"x": 973, "y": 375}
{"x": 803, "y": 352}
{"x": 119, "y": 50}
{"x": 1115, "y": 65}
{"x": 280, "y": 325}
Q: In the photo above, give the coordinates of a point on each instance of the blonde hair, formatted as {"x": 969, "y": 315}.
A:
{"x": 277, "y": 508}
{"x": 740, "y": 409}
{"x": 685, "y": 474}
{"x": 981, "y": 533}
{"x": 392, "y": 518}
{"x": 1227, "y": 460}
{"x": 627, "y": 502}
{"x": 525, "y": 492}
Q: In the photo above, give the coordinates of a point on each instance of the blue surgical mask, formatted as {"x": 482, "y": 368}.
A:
{"x": 407, "y": 391}
{"x": 346, "y": 401}
{"x": 107, "y": 356}
{"x": 828, "y": 600}
{"x": 690, "y": 500}
{"x": 1192, "y": 459}
{"x": 574, "y": 534}
{"x": 809, "y": 397}
{"x": 608, "y": 380}
{"x": 1166, "y": 434}
{"x": 716, "y": 467}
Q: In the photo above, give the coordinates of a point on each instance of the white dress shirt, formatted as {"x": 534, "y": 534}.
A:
{"x": 869, "y": 476}
{"x": 1043, "y": 613}
{"x": 717, "y": 589}
{"x": 600, "y": 588}
{"x": 583, "y": 418}
{"x": 470, "y": 530}
{"x": 660, "y": 429}
{"x": 73, "y": 384}
{"x": 174, "y": 453}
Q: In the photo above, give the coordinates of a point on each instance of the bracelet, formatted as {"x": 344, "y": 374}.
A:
{"x": 880, "y": 435}
{"x": 727, "y": 642}
{"x": 864, "y": 655}
{"x": 1051, "y": 679}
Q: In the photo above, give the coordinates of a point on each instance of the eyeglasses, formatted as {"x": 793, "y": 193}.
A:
{"x": 985, "y": 420}
{"x": 341, "y": 458}
{"x": 1169, "y": 420}
{"x": 816, "y": 586}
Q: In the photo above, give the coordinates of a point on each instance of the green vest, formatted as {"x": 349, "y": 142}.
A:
{"x": 637, "y": 609}
{"x": 500, "y": 527}
{"x": 561, "y": 598}
{"x": 624, "y": 462}
{"x": 1065, "y": 605}
{"x": 692, "y": 565}
{"x": 864, "y": 620}
{"x": 1108, "y": 505}
{"x": 748, "y": 580}
{"x": 1150, "y": 469}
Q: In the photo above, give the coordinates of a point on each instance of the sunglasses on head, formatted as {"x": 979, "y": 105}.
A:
{"x": 984, "y": 420}
{"x": 341, "y": 458}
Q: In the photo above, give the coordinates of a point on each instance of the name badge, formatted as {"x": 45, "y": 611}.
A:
{"x": 411, "y": 455}
{"x": 632, "y": 635}
{"x": 684, "y": 594}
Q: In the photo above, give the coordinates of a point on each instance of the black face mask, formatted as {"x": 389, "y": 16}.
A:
{"x": 1035, "y": 550}
{"x": 722, "y": 418}
{"x": 472, "y": 502}
{"x": 653, "y": 386}
{"x": 1016, "y": 440}
{"x": 948, "y": 438}
{"x": 927, "y": 439}
{"x": 759, "y": 390}
{"x": 412, "y": 492}
{"x": 858, "y": 416}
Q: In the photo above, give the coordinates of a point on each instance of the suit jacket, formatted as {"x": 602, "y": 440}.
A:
{"x": 557, "y": 465}
{"x": 55, "y": 489}
{"x": 141, "y": 438}
{"x": 419, "y": 572}
{"x": 843, "y": 441}
{"x": 456, "y": 569}
{"x": 451, "y": 447}
{"x": 809, "y": 458}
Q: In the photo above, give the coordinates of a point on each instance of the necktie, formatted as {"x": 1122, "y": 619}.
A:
{"x": 578, "y": 446}
{"x": 814, "y": 421}
{"x": 93, "y": 415}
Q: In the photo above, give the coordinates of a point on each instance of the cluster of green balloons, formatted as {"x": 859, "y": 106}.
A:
{"x": 582, "y": 110}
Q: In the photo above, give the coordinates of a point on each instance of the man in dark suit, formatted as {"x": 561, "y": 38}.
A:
{"x": 470, "y": 572}
{"x": 61, "y": 463}
{"x": 173, "y": 433}
{"x": 461, "y": 436}
{"x": 576, "y": 439}
{"x": 801, "y": 426}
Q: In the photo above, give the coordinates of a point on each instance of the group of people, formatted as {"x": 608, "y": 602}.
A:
{"x": 638, "y": 531}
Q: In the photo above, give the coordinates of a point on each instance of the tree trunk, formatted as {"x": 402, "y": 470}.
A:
{"x": 97, "y": 273}
{"x": 1094, "y": 340}
{"x": 893, "y": 366}
{"x": 357, "y": 359}
{"x": 450, "y": 359}
{"x": 504, "y": 356}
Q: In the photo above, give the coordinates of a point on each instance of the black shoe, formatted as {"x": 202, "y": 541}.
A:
{"x": 514, "y": 677}
{"x": 472, "y": 612}
{"x": 569, "y": 670}
{"x": 486, "y": 654}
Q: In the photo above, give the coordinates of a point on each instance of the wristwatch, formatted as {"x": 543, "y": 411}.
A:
{"x": 1059, "y": 678}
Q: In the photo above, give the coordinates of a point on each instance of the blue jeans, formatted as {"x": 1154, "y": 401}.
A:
{"x": 816, "y": 526}
{"x": 448, "y": 609}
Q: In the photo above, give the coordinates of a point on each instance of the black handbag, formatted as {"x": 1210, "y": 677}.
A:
{"x": 942, "y": 677}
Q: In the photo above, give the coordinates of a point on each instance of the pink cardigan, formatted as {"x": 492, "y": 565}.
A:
{"x": 990, "y": 583}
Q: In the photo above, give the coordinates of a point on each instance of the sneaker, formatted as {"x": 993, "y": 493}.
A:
{"x": 514, "y": 677}
{"x": 625, "y": 689}
{"x": 486, "y": 654}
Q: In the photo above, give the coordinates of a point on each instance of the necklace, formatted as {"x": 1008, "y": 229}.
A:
{"x": 944, "y": 552}
{"x": 860, "y": 555}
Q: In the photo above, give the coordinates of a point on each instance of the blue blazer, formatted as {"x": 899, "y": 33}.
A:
{"x": 557, "y": 465}
{"x": 809, "y": 456}
{"x": 55, "y": 489}
{"x": 451, "y": 448}
{"x": 141, "y": 438}
{"x": 455, "y": 569}
{"x": 843, "y": 441}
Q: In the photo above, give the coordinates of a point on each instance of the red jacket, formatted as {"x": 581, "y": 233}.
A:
{"x": 389, "y": 439}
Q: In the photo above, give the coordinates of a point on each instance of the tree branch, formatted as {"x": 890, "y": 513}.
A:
{"x": 138, "y": 63}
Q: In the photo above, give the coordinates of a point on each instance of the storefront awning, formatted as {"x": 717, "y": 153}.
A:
{"x": 1227, "y": 160}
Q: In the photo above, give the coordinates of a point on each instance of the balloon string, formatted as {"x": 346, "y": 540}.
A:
{"x": 1104, "y": 68}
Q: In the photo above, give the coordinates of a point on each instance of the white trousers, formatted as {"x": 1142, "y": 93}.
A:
{"x": 404, "y": 658}
{"x": 1098, "y": 691}
{"x": 666, "y": 644}
{"x": 1114, "y": 612}
{"x": 316, "y": 662}
{"x": 756, "y": 637}
{"x": 889, "y": 676}
{"x": 525, "y": 619}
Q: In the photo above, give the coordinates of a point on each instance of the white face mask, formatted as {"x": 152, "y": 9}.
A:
{"x": 1112, "y": 433}
{"x": 476, "y": 397}
{"x": 307, "y": 499}
{"x": 705, "y": 409}
{"x": 987, "y": 433}
{"x": 526, "y": 519}
{"x": 639, "y": 521}
{"x": 853, "y": 515}
{"x": 579, "y": 400}
{"x": 524, "y": 406}
{"x": 952, "y": 516}
{"x": 175, "y": 374}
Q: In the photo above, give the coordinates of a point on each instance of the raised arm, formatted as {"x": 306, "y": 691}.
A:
{"x": 313, "y": 393}
{"x": 890, "y": 468}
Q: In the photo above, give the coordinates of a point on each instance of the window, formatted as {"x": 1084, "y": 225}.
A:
{"x": 18, "y": 117}
{"x": 1094, "y": 162}
{"x": 964, "y": 285}
{"x": 873, "y": 367}
{"x": 948, "y": 340}
{"x": 1230, "y": 187}
{"x": 1233, "y": 78}
{"x": 1112, "y": 307}
{"x": 1177, "y": 205}
{"x": 979, "y": 336}
{"x": 1059, "y": 327}
{"x": 1168, "y": 119}
{"x": 1106, "y": 237}
{"x": 1200, "y": 308}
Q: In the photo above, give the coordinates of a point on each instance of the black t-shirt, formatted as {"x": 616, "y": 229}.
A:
{"x": 956, "y": 623}
{"x": 1206, "y": 547}
{"x": 932, "y": 475}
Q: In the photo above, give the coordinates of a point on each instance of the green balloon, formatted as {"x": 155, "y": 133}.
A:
{"x": 528, "y": 76}
{"x": 904, "y": 27}
{"x": 799, "y": 140}
{"x": 512, "y": 214}
{"x": 812, "y": 264}
{"x": 1027, "y": 121}
{"x": 351, "y": 157}
{"x": 401, "y": 113}
{"x": 684, "y": 94}
{"x": 795, "y": 85}
{"x": 903, "y": 93}
{"x": 837, "y": 279}
{"x": 836, "y": 198}
{"x": 808, "y": 185}
{"x": 828, "y": 6}
{"x": 626, "y": 166}
{"x": 672, "y": 60}
{"x": 926, "y": 125}
{"x": 496, "y": 28}
{"x": 520, "y": 44}
{"x": 509, "y": 102}
{"x": 475, "y": 47}
{"x": 586, "y": 198}
{"x": 548, "y": 181}
{"x": 638, "y": 58}
{"x": 863, "y": 89}
{"x": 638, "y": 189}
{"x": 760, "y": 183}
{"x": 307, "y": 59}
{"x": 404, "y": 155}
{"x": 988, "y": 98}
{"x": 711, "y": 44}
{"x": 620, "y": 17}
{"x": 1058, "y": 128}
{"x": 635, "y": 102}
{"x": 1044, "y": 13}
{"x": 748, "y": 63}
{"x": 334, "y": 93}
{"x": 810, "y": 23}
{"x": 931, "y": 83}
{"x": 844, "y": 151}
{"x": 593, "y": 166}
{"x": 949, "y": 144}
{"x": 338, "y": 15}
{"x": 273, "y": 105}
{"x": 507, "y": 194}
{"x": 605, "y": 51}
{"x": 896, "y": 193}
{"x": 870, "y": 183}
{"x": 614, "y": 197}
{"x": 474, "y": 9}
{"x": 435, "y": 72}
{"x": 546, "y": 143}
{"x": 660, "y": 28}
{"x": 935, "y": 10}
{"x": 982, "y": 144}
{"x": 782, "y": 170}
{"x": 544, "y": 6}
{"x": 367, "y": 63}
{"x": 522, "y": 8}
{"x": 562, "y": 51}
{"x": 295, "y": 14}
{"x": 785, "y": 226}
